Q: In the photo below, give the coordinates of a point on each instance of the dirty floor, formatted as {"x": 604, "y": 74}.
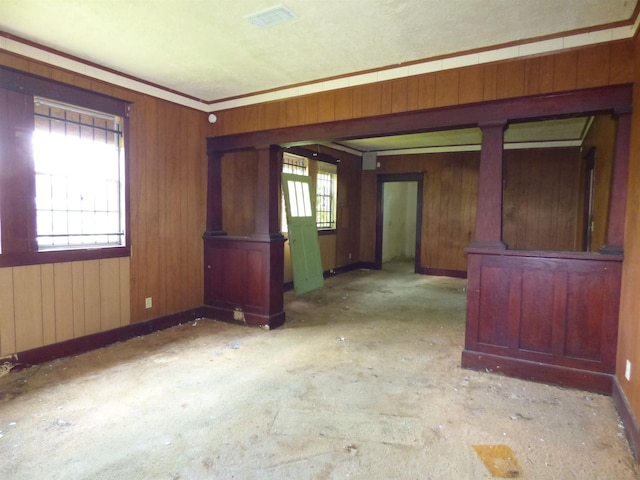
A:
{"x": 362, "y": 382}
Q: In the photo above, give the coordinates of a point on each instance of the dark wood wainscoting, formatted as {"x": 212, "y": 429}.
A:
{"x": 545, "y": 316}
{"x": 243, "y": 279}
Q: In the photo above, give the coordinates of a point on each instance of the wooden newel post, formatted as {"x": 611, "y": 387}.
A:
{"x": 614, "y": 242}
{"x": 214, "y": 195}
{"x": 489, "y": 209}
{"x": 268, "y": 193}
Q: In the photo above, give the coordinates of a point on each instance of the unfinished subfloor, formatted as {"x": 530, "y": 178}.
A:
{"x": 362, "y": 382}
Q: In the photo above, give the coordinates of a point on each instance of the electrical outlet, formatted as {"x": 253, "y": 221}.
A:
{"x": 148, "y": 302}
{"x": 627, "y": 371}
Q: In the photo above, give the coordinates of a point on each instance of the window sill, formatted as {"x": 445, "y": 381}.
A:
{"x": 62, "y": 256}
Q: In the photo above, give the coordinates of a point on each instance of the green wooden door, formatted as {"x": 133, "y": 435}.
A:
{"x": 303, "y": 234}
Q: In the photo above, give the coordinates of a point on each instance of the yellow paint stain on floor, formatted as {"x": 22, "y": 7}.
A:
{"x": 499, "y": 460}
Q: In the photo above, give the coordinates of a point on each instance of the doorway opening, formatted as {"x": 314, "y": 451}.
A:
{"x": 399, "y": 220}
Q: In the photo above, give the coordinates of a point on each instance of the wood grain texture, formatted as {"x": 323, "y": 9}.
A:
{"x": 603, "y": 64}
{"x": 541, "y": 199}
{"x": 555, "y": 309}
{"x": 449, "y": 206}
{"x": 27, "y": 291}
{"x": 601, "y": 136}
{"x": 629, "y": 326}
{"x": 7, "y": 313}
{"x": 167, "y": 180}
{"x": 63, "y": 288}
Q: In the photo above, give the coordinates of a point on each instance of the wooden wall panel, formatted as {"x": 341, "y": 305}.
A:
{"x": 109, "y": 294}
{"x": 92, "y": 304}
{"x": 326, "y": 106}
{"x": 510, "y": 79}
{"x": 447, "y": 87}
{"x": 565, "y": 71}
{"x": 536, "y": 322}
{"x": 48, "y": 304}
{"x": 629, "y": 325}
{"x": 7, "y": 315}
{"x": 602, "y": 64}
{"x": 27, "y": 292}
{"x": 61, "y": 301}
{"x": 167, "y": 181}
{"x": 427, "y": 91}
{"x": 399, "y": 96}
{"x": 77, "y": 293}
{"x": 449, "y": 204}
{"x": 125, "y": 291}
{"x": 238, "y": 186}
{"x": 63, "y": 288}
{"x": 327, "y": 245}
{"x": 490, "y": 82}
{"x": 566, "y": 336}
{"x": 601, "y": 136}
{"x": 541, "y": 199}
{"x": 471, "y": 88}
{"x": 348, "y": 210}
{"x": 593, "y": 66}
{"x": 621, "y": 63}
{"x": 343, "y": 106}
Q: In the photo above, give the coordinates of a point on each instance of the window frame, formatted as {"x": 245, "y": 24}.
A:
{"x": 333, "y": 196}
{"x": 17, "y": 200}
{"x": 317, "y": 156}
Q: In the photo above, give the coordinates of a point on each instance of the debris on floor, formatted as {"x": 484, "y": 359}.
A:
{"x": 499, "y": 460}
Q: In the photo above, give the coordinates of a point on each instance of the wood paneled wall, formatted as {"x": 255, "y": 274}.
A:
{"x": 629, "y": 324}
{"x": 542, "y": 204}
{"x": 45, "y": 304}
{"x": 601, "y": 136}
{"x": 604, "y": 64}
{"x": 167, "y": 181}
{"x": 448, "y": 210}
{"x": 238, "y": 186}
{"x": 238, "y": 209}
{"x": 348, "y": 211}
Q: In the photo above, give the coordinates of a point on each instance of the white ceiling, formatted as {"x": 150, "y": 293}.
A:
{"x": 208, "y": 49}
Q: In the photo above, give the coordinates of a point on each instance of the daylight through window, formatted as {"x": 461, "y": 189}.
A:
{"x": 79, "y": 177}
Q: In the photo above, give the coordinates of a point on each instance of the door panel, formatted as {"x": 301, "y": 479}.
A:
{"x": 303, "y": 234}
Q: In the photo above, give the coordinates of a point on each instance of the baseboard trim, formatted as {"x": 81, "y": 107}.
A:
{"x": 76, "y": 346}
{"x": 330, "y": 273}
{"x": 443, "y": 272}
{"x": 629, "y": 420}
{"x": 539, "y": 372}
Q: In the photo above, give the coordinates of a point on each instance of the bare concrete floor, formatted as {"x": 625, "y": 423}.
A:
{"x": 363, "y": 382}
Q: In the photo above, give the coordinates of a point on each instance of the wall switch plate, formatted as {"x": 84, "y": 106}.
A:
{"x": 627, "y": 371}
{"x": 148, "y": 302}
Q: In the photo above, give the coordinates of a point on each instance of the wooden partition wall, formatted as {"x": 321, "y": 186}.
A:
{"x": 545, "y": 315}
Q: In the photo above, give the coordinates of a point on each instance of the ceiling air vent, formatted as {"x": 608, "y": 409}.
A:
{"x": 271, "y": 16}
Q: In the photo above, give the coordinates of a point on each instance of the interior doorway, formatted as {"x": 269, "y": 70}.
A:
{"x": 399, "y": 219}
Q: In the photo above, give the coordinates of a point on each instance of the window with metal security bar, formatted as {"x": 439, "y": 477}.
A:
{"x": 325, "y": 186}
{"x": 79, "y": 177}
{"x": 294, "y": 164}
{"x": 326, "y": 183}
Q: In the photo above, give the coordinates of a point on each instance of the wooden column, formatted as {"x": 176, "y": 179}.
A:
{"x": 268, "y": 193}
{"x": 489, "y": 210}
{"x": 214, "y": 195}
{"x": 618, "y": 199}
